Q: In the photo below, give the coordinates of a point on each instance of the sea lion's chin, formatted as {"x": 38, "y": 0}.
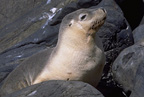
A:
{"x": 95, "y": 27}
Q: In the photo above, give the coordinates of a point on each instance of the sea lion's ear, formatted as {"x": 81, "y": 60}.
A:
{"x": 71, "y": 23}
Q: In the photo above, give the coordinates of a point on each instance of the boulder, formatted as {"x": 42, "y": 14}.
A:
{"x": 139, "y": 82}
{"x": 58, "y": 89}
{"x": 142, "y": 21}
{"x": 28, "y": 34}
{"x": 128, "y": 69}
{"x": 138, "y": 33}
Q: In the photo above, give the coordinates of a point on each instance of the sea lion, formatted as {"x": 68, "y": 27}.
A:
{"x": 78, "y": 54}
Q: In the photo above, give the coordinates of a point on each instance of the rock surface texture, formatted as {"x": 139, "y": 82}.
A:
{"x": 28, "y": 34}
{"x": 128, "y": 69}
{"x": 58, "y": 89}
{"x": 138, "y": 33}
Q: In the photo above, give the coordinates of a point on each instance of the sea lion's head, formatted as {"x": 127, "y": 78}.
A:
{"x": 82, "y": 23}
{"x": 88, "y": 20}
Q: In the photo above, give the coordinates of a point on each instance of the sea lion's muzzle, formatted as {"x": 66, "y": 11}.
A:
{"x": 98, "y": 20}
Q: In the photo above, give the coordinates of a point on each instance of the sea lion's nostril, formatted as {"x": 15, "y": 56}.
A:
{"x": 103, "y": 10}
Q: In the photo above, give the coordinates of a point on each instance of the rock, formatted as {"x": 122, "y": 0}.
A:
{"x": 28, "y": 35}
{"x": 133, "y": 11}
{"x": 138, "y": 33}
{"x": 142, "y": 21}
{"x": 88, "y": 3}
{"x": 58, "y": 89}
{"x": 72, "y": 7}
{"x": 13, "y": 9}
{"x": 128, "y": 69}
{"x": 139, "y": 82}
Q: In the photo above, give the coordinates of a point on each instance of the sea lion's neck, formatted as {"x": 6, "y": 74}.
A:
{"x": 76, "y": 41}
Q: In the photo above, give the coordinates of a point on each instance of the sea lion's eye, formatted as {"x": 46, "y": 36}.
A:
{"x": 82, "y": 17}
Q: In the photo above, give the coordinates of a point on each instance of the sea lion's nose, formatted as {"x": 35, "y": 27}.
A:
{"x": 103, "y": 9}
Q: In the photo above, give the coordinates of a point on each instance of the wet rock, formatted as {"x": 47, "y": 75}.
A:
{"x": 142, "y": 21}
{"x": 139, "y": 82}
{"x": 13, "y": 9}
{"x": 72, "y": 7}
{"x": 138, "y": 33}
{"x": 28, "y": 35}
{"x": 58, "y": 89}
{"x": 133, "y": 11}
{"x": 128, "y": 69}
{"x": 87, "y": 3}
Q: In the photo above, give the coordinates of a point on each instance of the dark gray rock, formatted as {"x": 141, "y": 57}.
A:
{"x": 128, "y": 69}
{"x": 11, "y": 10}
{"x": 142, "y": 21}
{"x": 28, "y": 35}
{"x": 139, "y": 82}
{"x": 58, "y": 89}
{"x": 72, "y": 7}
{"x": 88, "y": 3}
{"x": 138, "y": 33}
